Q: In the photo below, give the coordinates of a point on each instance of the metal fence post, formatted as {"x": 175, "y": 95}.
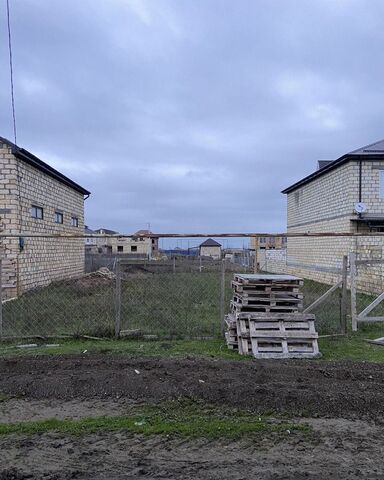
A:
{"x": 344, "y": 297}
{"x": 118, "y": 300}
{"x": 222, "y": 296}
{"x": 1, "y": 299}
{"x": 352, "y": 258}
{"x": 174, "y": 265}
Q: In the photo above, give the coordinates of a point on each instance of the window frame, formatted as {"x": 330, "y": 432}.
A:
{"x": 133, "y": 248}
{"x": 36, "y": 209}
{"x": 74, "y": 221}
{"x": 381, "y": 185}
{"x": 120, "y": 248}
{"x": 59, "y": 215}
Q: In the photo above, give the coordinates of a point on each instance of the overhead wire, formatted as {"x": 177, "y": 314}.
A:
{"x": 11, "y": 72}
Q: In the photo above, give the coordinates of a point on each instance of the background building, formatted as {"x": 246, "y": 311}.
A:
{"x": 210, "y": 248}
{"x": 138, "y": 245}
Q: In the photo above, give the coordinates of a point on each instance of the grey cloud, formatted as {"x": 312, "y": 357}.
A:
{"x": 193, "y": 115}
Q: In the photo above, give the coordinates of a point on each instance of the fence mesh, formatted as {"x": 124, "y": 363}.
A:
{"x": 167, "y": 297}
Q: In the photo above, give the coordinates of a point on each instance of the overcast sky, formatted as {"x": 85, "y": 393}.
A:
{"x": 192, "y": 115}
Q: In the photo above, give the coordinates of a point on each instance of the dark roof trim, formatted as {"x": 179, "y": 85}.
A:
{"x": 210, "y": 243}
{"x": 335, "y": 164}
{"x": 32, "y": 160}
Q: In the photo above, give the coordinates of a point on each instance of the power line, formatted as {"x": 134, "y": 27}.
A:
{"x": 11, "y": 72}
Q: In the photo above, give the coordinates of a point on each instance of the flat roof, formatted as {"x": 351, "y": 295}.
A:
{"x": 35, "y": 162}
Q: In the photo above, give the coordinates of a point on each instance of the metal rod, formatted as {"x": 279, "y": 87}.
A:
{"x": 344, "y": 298}
{"x": 222, "y": 295}
{"x": 118, "y": 300}
{"x": 197, "y": 235}
{"x": 1, "y": 298}
{"x": 352, "y": 259}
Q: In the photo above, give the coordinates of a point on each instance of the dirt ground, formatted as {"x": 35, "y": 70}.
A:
{"x": 343, "y": 402}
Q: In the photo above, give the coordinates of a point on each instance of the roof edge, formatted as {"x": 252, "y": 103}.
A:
{"x": 34, "y": 161}
{"x": 332, "y": 166}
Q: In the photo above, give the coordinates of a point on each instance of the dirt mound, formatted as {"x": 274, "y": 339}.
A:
{"x": 340, "y": 389}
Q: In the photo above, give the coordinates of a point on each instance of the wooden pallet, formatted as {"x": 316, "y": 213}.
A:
{"x": 238, "y": 308}
{"x": 268, "y": 280}
{"x": 273, "y": 301}
{"x": 285, "y": 348}
{"x": 256, "y": 294}
{"x": 279, "y": 329}
{"x": 267, "y": 288}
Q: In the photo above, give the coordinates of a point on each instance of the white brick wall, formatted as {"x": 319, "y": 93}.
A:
{"x": 42, "y": 260}
{"x": 327, "y": 205}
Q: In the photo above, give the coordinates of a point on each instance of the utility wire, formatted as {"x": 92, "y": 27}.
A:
{"x": 11, "y": 73}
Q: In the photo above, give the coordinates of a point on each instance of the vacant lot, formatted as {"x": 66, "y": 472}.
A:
{"x": 108, "y": 416}
{"x": 180, "y": 305}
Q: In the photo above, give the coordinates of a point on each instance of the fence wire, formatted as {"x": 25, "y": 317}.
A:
{"x": 167, "y": 297}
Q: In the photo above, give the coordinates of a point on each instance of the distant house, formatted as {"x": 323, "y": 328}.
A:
{"x": 267, "y": 243}
{"x": 37, "y": 199}
{"x": 139, "y": 245}
{"x": 89, "y": 241}
{"x": 210, "y": 248}
{"x": 342, "y": 196}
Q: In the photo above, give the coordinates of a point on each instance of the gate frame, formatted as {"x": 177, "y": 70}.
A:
{"x": 362, "y": 316}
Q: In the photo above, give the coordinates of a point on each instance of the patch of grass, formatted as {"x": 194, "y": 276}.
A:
{"x": 354, "y": 346}
{"x": 186, "y": 419}
{"x": 137, "y": 348}
{"x": 351, "y": 347}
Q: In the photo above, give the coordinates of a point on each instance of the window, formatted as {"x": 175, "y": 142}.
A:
{"x": 74, "y": 222}
{"x": 382, "y": 184}
{"x": 59, "y": 218}
{"x": 120, "y": 248}
{"x": 37, "y": 212}
{"x": 298, "y": 198}
{"x": 134, "y": 248}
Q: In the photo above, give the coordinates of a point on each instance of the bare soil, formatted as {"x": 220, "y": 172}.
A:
{"x": 344, "y": 403}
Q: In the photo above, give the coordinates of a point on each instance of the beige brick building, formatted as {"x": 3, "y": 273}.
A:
{"x": 210, "y": 248}
{"x": 139, "y": 244}
{"x": 344, "y": 195}
{"x": 268, "y": 243}
{"x": 37, "y": 199}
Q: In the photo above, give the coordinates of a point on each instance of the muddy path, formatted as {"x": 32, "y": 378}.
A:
{"x": 340, "y": 389}
{"x": 342, "y": 449}
{"x": 343, "y": 402}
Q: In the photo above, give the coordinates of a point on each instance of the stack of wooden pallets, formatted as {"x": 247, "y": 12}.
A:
{"x": 266, "y": 319}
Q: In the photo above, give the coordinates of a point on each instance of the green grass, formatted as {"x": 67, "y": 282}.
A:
{"x": 176, "y": 306}
{"x": 350, "y": 347}
{"x": 354, "y": 346}
{"x": 172, "y": 418}
{"x": 136, "y": 348}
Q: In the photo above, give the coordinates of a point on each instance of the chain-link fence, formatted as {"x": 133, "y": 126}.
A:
{"x": 47, "y": 293}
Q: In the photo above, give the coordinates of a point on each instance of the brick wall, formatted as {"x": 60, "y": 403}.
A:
{"x": 41, "y": 260}
{"x": 327, "y": 205}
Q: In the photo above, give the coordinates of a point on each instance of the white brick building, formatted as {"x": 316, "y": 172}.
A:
{"x": 37, "y": 199}
{"x": 210, "y": 248}
{"x": 140, "y": 244}
{"x": 344, "y": 195}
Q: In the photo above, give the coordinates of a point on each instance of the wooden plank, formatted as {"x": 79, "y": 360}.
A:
{"x": 323, "y": 297}
{"x": 284, "y": 335}
{"x": 344, "y": 296}
{"x": 371, "y": 319}
{"x": 274, "y": 316}
{"x": 352, "y": 260}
